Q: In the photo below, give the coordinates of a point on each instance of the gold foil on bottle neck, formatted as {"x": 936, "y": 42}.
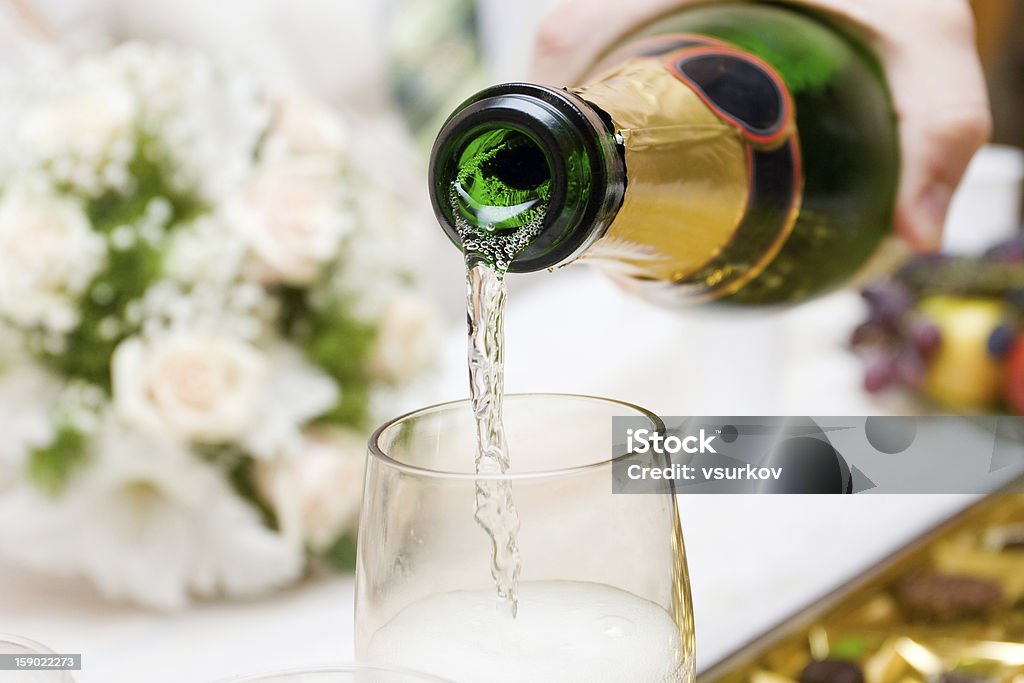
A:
{"x": 687, "y": 174}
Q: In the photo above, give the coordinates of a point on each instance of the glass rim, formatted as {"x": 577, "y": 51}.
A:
{"x": 377, "y": 452}
{"x": 270, "y": 676}
{"x": 21, "y": 641}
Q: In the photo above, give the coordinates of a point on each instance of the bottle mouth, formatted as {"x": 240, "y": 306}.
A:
{"x": 504, "y": 180}
{"x": 520, "y": 155}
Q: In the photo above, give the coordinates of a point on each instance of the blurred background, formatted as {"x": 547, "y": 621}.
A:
{"x": 387, "y": 73}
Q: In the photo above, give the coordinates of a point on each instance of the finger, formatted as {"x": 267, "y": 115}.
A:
{"x": 928, "y": 51}
{"x": 942, "y": 104}
{"x": 576, "y": 32}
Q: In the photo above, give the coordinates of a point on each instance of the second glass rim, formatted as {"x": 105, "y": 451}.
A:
{"x": 33, "y": 646}
{"x": 281, "y": 675}
{"x": 376, "y": 452}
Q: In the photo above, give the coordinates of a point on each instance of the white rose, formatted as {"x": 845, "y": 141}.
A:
{"x": 48, "y": 255}
{"x": 302, "y": 127}
{"x": 89, "y": 124}
{"x": 406, "y": 338}
{"x": 147, "y": 521}
{"x": 317, "y": 491}
{"x": 202, "y": 388}
{"x": 290, "y": 218}
{"x": 295, "y": 392}
{"x": 28, "y": 393}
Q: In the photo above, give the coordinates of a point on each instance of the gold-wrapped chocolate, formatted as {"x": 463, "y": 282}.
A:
{"x": 947, "y": 609}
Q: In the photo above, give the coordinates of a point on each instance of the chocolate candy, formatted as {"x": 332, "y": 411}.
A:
{"x": 943, "y": 597}
{"x": 832, "y": 671}
{"x": 955, "y": 677}
{"x": 949, "y": 611}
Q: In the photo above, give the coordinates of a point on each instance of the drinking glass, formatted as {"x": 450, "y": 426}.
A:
{"x": 603, "y": 593}
{"x": 17, "y": 645}
{"x": 351, "y": 673}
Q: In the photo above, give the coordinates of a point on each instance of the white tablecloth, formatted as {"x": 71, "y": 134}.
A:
{"x": 753, "y": 559}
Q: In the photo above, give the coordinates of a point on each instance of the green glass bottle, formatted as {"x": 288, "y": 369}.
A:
{"x": 741, "y": 153}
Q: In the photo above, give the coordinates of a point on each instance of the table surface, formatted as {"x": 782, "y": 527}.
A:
{"x": 753, "y": 559}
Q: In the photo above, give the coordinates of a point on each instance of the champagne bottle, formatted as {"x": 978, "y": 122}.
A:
{"x": 740, "y": 153}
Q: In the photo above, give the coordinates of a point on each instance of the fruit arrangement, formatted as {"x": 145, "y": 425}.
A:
{"x": 950, "y": 328}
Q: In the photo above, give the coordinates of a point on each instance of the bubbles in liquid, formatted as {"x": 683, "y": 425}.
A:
{"x": 566, "y": 631}
{"x": 495, "y": 510}
{"x": 496, "y": 248}
{"x": 503, "y": 179}
{"x": 499, "y": 201}
{"x": 615, "y": 627}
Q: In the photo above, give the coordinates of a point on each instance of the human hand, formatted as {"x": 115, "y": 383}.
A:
{"x": 925, "y": 46}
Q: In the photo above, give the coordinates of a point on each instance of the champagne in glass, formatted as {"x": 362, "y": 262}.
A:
{"x": 603, "y": 593}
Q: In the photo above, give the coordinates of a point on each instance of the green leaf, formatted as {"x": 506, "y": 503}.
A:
{"x": 851, "y": 648}
{"x": 342, "y": 555}
{"x": 150, "y": 171}
{"x": 51, "y": 467}
{"x": 240, "y": 476}
{"x": 128, "y": 273}
{"x": 354, "y": 407}
{"x": 340, "y": 345}
{"x": 127, "y": 276}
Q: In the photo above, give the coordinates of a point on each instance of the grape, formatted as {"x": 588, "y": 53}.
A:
{"x": 1006, "y": 253}
{"x": 921, "y": 261}
{"x": 888, "y": 303}
{"x": 866, "y": 334}
{"x": 879, "y": 373}
{"x": 925, "y": 337}
{"x": 1011, "y": 251}
{"x": 1000, "y": 341}
{"x": 909, "y": 368}
{"x": 1015, "y": 297}
{"x": 872, "y": 293}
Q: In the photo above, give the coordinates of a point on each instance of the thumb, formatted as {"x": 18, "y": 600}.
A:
{"x": 575, "y": 33}
{"x": 938, "y": 89}
{"x": 940, "y": 98}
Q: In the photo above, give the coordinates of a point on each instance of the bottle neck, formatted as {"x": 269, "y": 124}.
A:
{"x": 528, "y": 158}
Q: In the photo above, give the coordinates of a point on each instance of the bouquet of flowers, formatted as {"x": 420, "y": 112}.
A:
{"x": 202, "y": 295}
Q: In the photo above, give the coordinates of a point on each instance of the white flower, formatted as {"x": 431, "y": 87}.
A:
{"x": 379, "y": 259}
{"x": 289, "y": 215}
{"x": 295, "y": 392}
{"x": 200, "y": 252}
{"x": 28, "y": 394}
{"x": 303, "y": 127}
{"x": 198, "y": 387}
{"x": 407, "y": 337}
{"x": 150, "y": 523}
{"x": 91, "y": 123}
{"x": 48, "y": 255}
{"x": 316, "y": 493}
